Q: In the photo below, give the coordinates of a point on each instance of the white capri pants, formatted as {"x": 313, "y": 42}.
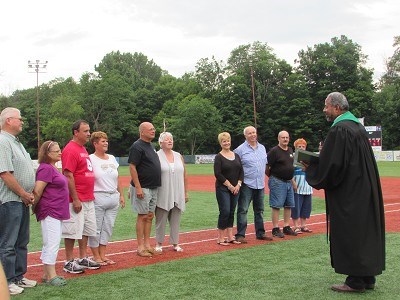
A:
{"x": 106, "y": 208}
{"x": 174, "y": 219}
{"x": 51, "y": 233}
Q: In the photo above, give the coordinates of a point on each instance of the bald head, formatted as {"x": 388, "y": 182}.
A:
{"x": 147, "y": 131}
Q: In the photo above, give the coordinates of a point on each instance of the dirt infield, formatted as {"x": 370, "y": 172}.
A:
{"x": 203, "y": 242}
{"x": 206, "y": 183}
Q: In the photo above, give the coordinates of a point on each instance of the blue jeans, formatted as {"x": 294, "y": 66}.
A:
{"x": 246, "y": 195}
{"x": 227, "y": 204}
{"x": 14, "y": 239}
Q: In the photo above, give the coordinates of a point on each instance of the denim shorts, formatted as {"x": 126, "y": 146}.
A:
{"x": 280, "y": 193}
{"x": 147, "y": 203}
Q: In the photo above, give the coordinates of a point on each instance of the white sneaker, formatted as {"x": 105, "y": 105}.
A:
{"x": 158, "y": 249}
{"x": 14, "y": 289}
{"x": 26, "y": 283}
{"x": 178, "y": 249}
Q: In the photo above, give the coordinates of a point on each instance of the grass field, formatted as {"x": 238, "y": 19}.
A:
{"x": 386, "y": 168}
{"x": 295, "y": 269}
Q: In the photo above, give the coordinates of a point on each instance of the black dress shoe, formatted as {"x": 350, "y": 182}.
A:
{"x": 344, "y": 288}
{"x": 369, "y": 286}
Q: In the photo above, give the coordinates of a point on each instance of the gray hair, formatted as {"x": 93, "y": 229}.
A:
{"x": 338, "y": 99}
{"x": 6, "y": 113}
{"x": 244, "y": 130}
{"x": 164, "y": 136}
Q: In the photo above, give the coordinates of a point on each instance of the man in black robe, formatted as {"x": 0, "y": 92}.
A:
{"x": 348, "y": 173}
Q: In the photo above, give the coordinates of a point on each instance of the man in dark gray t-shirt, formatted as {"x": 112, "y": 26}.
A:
{"x": 145, "y": 170}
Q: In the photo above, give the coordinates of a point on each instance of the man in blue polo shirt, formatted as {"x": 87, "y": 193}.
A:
{"x": 254, "y": 160}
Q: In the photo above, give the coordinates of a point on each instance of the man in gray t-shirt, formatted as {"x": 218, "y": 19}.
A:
{"x": 16, "y": 186}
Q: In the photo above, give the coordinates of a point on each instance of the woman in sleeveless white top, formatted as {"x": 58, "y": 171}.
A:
{"x": 172, "y": 195}
{"x": 108, "y": 196}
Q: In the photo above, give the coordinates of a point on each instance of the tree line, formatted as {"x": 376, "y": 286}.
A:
{"x": 254, "y": 84}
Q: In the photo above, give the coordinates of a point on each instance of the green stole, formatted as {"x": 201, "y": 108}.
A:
{"x": 345, "y": 116}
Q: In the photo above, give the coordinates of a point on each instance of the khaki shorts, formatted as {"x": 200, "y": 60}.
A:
{"x": 145, "y": 205}
{"x": 82, "y": 223}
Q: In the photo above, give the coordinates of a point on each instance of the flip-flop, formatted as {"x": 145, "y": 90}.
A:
{"x": 109, "y": 262}
{"x": 102, "y": 262}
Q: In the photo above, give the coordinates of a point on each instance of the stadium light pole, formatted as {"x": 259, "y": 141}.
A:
{"x": 37, "y": 67}
{"x": 253, "y": 93}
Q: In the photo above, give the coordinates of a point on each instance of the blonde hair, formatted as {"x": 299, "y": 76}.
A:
{"x": 223, "y": 136}
{"x": 97, "y": 135}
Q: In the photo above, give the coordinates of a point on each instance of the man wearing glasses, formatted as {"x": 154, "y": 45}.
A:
{"x": 16, "y": 185}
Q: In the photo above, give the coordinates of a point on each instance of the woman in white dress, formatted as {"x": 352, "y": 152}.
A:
{"x": 172, "y": 195}
{"x": 108, "y": 196}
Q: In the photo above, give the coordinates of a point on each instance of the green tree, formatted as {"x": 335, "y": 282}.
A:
{"x": 136, "y": 69}
{"x": 386, "y": 104}
{"x": 252, "y": 65}
{"x": 65, "y": 110}
{"x": 209, "y": 73}
{"x": 336, "y": 66}
{"x": 196, "y": 124}
{"x": 109, "y": 107}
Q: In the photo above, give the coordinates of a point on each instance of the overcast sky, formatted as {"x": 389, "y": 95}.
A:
{"x": 74, "y": 36}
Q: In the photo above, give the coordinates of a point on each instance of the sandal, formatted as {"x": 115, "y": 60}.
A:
{"x": 144, "y": 253}
{"x": 298, "y": 230}
{"x": 234, "y": 242}
{"x": 57, "y": 281}
{"x": 305, "y": 229}
{"x": 109, "y": 262}
{"x": 224, "y": 243}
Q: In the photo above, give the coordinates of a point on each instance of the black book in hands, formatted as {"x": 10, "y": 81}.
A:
{"x": 305, "y": 156}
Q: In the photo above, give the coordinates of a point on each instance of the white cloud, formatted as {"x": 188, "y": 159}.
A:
{"x": 75, "y": 35}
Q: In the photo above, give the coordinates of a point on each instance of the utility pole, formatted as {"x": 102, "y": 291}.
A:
{"x": 254, "y": 96}
{"x": 37, "y": 67}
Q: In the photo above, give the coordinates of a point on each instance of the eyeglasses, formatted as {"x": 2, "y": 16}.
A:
{"x": 56, "y": 151}
{"x": 21, "y": 119}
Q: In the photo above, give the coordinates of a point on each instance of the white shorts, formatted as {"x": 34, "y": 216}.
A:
{"x": 82, "y": 223}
